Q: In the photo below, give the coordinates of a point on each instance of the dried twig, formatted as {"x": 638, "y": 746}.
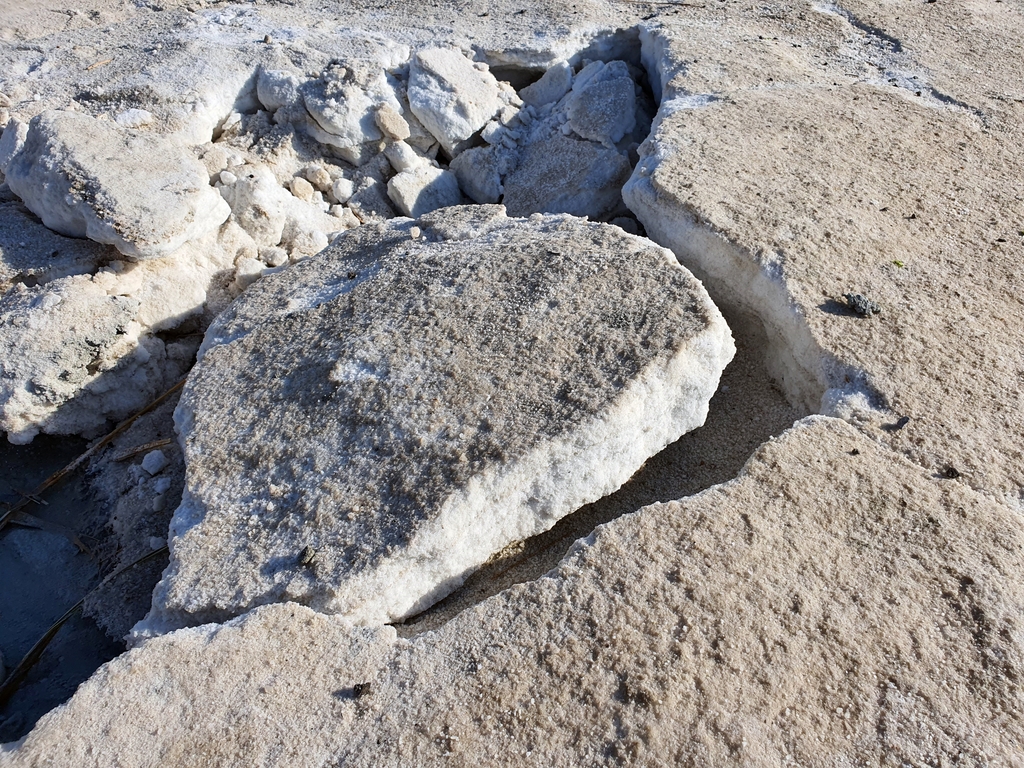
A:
{"x": 142, "y": 449}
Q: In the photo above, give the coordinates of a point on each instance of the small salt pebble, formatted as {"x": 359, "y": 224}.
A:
{"x": 160, "y": 503}
{"x": 227, "y": 178}
{"x": 348, "y": 219}
{"x": 402, "y": 157}
{"x": 343, "y": 190}
{"x": 134, "y": 118}
{"x": 215, "y": 159}
{"x": 154, "y": 462}
{"x": 302, "y": 189}
{"x": 162, "y": 484}
{"x": 47, "y": 301}
{"x": 415, "y": 232}
{"x": 491, "y": 132}
{"x": 318, "y": 177}
{"x": 273, "y": 256}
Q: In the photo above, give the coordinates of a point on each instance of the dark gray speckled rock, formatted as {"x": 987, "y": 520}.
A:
{"x": 368, "y": 427}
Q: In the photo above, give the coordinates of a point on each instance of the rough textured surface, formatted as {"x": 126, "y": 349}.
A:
{"x": 422, "y": 189}
{"x": 140, "y": 193}
{"x": 32, "y": 254}
{"x": 82, "y": 351}
{"x": 803, "y": 151}
{"x": 565, "y": 175}
{"x": 884, "y": 168}
{"x": 826, "y": 607}
{"x": 439, "y": 398}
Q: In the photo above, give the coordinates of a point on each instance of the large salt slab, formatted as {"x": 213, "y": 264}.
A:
{"x": 140, "y": 192}
{"x": 364, "y": 430}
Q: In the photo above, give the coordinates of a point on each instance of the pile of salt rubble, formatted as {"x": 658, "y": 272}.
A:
{"x": 178, "y": 230}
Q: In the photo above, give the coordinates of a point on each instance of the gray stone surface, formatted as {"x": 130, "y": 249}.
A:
{"x": 602, "y": 107}
{"x": 438, "y": 398}
{"x": 32, "y": 254}
{"x": 422, "y": 189}
{"x": 565, "y": 175}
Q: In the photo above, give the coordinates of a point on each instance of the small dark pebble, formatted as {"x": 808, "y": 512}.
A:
{"x": 306, "y": 555}
{"x": 897, "y": 425}
{"x": 855, "y": 452}
{"x": 360, "y": 689}
{"x": 861, "y": 305}
{"x": 268, "y": 39}
{"x": 951, "y": 472}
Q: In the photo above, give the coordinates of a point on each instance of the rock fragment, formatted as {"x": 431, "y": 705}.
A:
{"x": 79, "y": 351}
{"x": 278, "y": 88}
{"x": 861, "y": 305}
{"x": 391, "y": 123}
{"x": 424, "y": 188}
{"x": 75, "y": 332}
{"x": 343, "y": 102}
{"x": 139, "y": 192}
{"x": 551, "y": 87}
{"x": 450, "y": 96}
{"x": 32, "y": 254}
{"x": 439, "y": 398}
{"x": 566, "y": 175}
{"x": 602, "y": 107}
{"x": 478, "y": 171}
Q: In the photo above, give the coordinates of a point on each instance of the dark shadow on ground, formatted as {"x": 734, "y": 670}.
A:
{"x": 43, "y": 574}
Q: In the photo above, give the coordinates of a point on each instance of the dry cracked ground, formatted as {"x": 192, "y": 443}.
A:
{"x": 829, "y": 571}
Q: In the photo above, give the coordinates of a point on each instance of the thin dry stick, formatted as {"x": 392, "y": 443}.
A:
{"x": 142, "y": 449}
{"x": 20, "y": 672}
{"x": 60, "y": 474}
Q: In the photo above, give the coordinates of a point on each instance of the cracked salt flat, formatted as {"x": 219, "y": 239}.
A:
{"x": 238, "y": 157}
